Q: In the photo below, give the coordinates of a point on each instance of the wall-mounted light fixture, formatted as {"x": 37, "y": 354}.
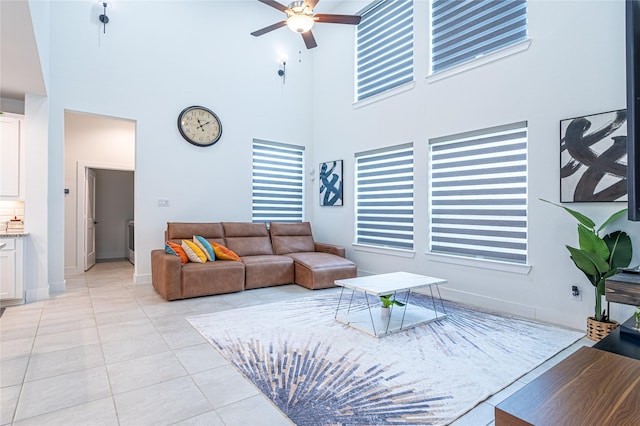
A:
{"x": 282, "y": 72}
{"x": 104, "y": 18}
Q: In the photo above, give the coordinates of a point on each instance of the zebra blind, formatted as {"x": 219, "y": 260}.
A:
{"x": 478, "y": 194}
{"x": 462, "y": 30}
{"x": 384, "y": 47}
{"x": 278, "y": 182}
{"x": 384, "y": 197}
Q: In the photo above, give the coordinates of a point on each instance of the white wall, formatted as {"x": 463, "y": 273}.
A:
{"x": 156, "y": 59}
{"x": 574, "y": 67}
{"x": 38, "y": 279}
{"x": 96, "y": 142}
{"x": 114, "y": 208}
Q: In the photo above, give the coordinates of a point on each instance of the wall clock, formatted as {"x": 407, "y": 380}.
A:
{"x": 199, "y": 126}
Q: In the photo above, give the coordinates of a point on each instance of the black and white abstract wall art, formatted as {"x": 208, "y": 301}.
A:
{"x": 593, "y": 158}
{"x": 331, "y": 183}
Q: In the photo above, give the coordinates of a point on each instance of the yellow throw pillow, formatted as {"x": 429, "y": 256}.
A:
{"x": 193, "y": 252}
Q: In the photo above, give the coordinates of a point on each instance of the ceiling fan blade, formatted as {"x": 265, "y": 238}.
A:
{"x": 269, "y": 28}
{"x": 275, "y": 4}
{"x": 337, "y": 19}
{"x": 309, "y": 40}
{"x": 310, "y": 3}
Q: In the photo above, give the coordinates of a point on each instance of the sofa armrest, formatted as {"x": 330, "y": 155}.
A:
{"x": 165, "y": 274}
{"x": 330, "y": 248}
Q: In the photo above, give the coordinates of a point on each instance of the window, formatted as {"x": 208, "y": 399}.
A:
{"x": 278, "y": 182}
{"x": 462, "y": 30}
{"x": 478, "y": 194}
{"x": 384, "y": 47}
{"x": 384, "y": 197}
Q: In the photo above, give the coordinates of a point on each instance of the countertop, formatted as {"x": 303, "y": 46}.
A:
{"x": 13, "y": 234}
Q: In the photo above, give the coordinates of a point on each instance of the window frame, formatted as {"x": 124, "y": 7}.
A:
{"x": 510, "y": 47}
{"x": 384, "y": 90}
{"x": 368, "y": 167}
{"x": 480, "y": 147}
{"x": 264, "y": 169}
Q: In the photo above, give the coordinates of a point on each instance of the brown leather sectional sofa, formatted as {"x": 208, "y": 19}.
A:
{"x": 283, "y": 254}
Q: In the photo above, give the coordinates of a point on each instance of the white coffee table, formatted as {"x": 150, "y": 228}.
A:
{"x": 363, "y": 314}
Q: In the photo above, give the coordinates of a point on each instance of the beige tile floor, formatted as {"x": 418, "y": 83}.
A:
{"x": 109, "y": 352}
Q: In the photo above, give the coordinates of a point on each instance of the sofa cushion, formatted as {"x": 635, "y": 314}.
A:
{"x": 205, "y": 246}
{"x": 178, "y": 231}
{"x": 193, "y": 252}
{"x": 291, "y": 237}
{"x": 267, "y": 270}
{"x": 203, "y": 279}
{"x": 176, "y": 250}
{"x": 247, "y": 239}
{"x": 320, "y": 270}
{"x": 224, "y": 253}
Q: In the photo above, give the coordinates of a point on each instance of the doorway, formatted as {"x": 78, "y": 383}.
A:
{"x": 99, "y": 188}
{"x": 108, "y": 215}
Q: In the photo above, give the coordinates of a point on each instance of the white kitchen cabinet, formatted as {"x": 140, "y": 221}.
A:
{"x": 11, "y": 157}
{"x": 11, "y": 270}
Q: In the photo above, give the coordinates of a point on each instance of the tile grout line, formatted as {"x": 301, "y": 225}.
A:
{"x": 104, "y": 360}
{"x": 24, "y": 375}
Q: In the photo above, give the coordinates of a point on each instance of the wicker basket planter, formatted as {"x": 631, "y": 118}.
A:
{"x": 598, "y": 330}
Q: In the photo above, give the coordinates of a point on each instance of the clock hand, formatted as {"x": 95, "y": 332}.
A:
{"x": 202, "y": 125}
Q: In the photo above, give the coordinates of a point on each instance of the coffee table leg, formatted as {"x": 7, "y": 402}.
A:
{"x": 441, "y": 302}
{"x": 373, "y": 324}
{"x": 433, "y": 300}
{"x": 339, "y": 302}
{"x": 351, "y": 300}
{"x": 404, "y": 312}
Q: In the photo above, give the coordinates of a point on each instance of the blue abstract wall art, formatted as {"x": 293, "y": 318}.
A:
{"x": 331, "y": 183}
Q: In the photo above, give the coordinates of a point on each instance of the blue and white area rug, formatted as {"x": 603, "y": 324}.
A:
{"x": 319, "y": 371}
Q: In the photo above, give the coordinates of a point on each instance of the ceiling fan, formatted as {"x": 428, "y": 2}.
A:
{"x": 300, "y": 19}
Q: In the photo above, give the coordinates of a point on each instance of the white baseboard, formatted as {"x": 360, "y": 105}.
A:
{"x": 562, "y": 319}
{"x": 59, "y": 287}
{"x": 35, "y": 294}
{"x": 142, "y": 278}
{"x": 487, "y": 302}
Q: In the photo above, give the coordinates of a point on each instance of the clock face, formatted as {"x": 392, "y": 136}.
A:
{"x": 199, "y": 126}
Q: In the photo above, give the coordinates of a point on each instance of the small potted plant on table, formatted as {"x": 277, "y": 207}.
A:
{"x": 599, "y": 258}
{"x": 388, "y": 301}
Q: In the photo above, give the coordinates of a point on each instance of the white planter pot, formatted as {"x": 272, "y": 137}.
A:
{"x": 385, "y": 312}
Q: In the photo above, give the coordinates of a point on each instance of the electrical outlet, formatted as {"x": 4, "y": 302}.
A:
{"x": 163, "y": 203}
{"x": 576, "y": 293}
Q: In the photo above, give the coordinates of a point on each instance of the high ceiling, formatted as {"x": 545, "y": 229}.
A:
{"x": 20, "y": 70}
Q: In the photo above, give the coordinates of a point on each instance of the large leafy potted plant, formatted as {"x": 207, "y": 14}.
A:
{"x": 599, "y": 258}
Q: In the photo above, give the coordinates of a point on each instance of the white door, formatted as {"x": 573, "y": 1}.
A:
{"x": 90, "y": 221}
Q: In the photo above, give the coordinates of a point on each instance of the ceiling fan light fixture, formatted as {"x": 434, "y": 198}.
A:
{"x": 300, "y": 23}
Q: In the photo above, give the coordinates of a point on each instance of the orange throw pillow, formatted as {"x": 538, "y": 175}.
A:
{"x": 178, "y": 251}
{"x": 224, "y": 253}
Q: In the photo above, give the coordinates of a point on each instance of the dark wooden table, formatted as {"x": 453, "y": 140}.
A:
{"x": 590, "y": 387}
{"x": 623, "y": 288}
{"x": 621, "y": 345}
